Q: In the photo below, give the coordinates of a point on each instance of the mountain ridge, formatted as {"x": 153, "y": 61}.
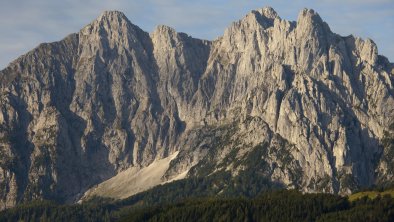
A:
{"x": 112, "y": 97}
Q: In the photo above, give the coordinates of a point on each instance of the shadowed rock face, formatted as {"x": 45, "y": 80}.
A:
{"x": 112, "y": 97}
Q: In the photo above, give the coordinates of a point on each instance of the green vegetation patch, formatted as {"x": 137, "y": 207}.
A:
{"x": 371, "y": 194}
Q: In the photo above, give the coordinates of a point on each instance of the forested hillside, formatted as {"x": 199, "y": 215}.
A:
{"x": 280, "y": 205}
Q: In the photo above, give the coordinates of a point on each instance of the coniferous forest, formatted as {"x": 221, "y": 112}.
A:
{"x": 189, "y": 200}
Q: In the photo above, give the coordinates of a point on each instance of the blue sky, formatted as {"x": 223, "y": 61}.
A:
{"x": 26, "y": 23}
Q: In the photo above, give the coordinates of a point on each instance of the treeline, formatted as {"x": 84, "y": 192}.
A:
{"x": 271, "y": 206}
{"x": 283, "y": 205}
{"x": 46, "y": 211}
{"x": 220, "y": 184}
{"x": 380, "y": 209}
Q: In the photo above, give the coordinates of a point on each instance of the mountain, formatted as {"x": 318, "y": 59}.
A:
{"x": 112, "y": 110}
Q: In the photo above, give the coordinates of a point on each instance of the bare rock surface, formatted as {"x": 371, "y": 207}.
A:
{"x": 113, "y": 100}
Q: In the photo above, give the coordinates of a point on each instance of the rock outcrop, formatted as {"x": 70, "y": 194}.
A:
{"x": 113, "y": 98}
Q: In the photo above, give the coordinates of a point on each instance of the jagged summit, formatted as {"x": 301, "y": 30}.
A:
{"x": 268, "y": 12}
{"x": 164, "y": 29}
{"x": 306, "y": 12}
{"x": 263, "y": 17}
{"x": 112, "y": 15}
{"x": 111, "y": 20}
{"x": 308, "y": 18}
{"x": 286, "y": 102}
{"x": 108, "y": 22}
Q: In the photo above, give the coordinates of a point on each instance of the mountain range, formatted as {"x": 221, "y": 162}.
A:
{"x": 113, "y": 110}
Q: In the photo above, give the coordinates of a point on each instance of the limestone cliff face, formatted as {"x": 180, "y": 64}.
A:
{"x": 112, "y": 97}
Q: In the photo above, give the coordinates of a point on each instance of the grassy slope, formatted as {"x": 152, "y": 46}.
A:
{"x": 371, "y": 194}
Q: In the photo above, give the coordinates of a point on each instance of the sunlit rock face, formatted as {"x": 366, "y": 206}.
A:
{"x": 112, "y": 99}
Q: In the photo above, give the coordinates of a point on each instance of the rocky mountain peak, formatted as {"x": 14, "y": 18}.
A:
{"x": 263, "y": 17}
{"x": 164, "y": 37}
{"x": 268, "y": 12}
{"x": 367, "y": 50}
{"x": 254, "y": 21}
{"x": 111, "y": 15}
{"x": 309, "y": 15}
{"x": 164, "y": 32}
{"x": 163, "y": 29}
{"x": 111, "y": 24}
{"x": 309, "y": 20}
{"x": 109, "y": 21}
{"x": 111, "y": 32}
